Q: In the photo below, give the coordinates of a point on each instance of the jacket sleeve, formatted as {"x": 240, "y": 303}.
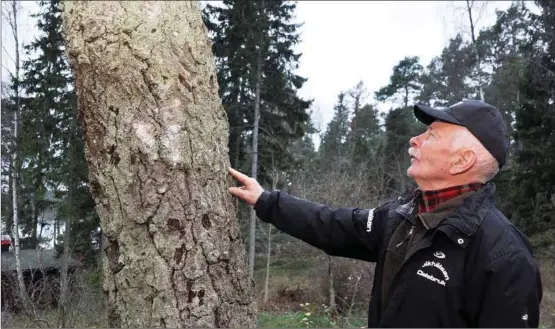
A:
{"x": 513, "y": 293}
{"x": 347, "y": 232}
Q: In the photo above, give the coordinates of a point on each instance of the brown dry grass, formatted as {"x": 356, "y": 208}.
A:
{"x": 307, "y": 278}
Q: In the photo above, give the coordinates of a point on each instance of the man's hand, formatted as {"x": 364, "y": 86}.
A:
{"x": 250, "y": 191}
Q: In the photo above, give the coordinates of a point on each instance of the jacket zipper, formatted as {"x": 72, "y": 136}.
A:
{"x": 407, "y": 238}
{"x": 399, "y": 271}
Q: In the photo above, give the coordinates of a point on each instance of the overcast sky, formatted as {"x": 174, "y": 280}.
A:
{"x": 344, "y": 42}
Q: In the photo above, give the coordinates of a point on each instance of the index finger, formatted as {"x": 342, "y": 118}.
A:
{"x": 242, "y": 178}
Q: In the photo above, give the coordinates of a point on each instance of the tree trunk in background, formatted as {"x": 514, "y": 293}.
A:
{"x": 275, "y": 180}
{"x": 331, "y": 287}
{"x": 469, "y": 5}
{"x": 156, "y": 145}
{"x": 402, "y": 175}
{"x": 55, "y": 233}
{"x": 64, "y": 279}
{"x": 72, "y": 185}
{"x": 268, "y": 256}
{"x": 35, "y": 219}
{"x": 254, "y": 164}
{"x": 12, "y": 16}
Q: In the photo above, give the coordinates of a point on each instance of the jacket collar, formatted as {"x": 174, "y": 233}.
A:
{"x": 469, "y": 216}
{"x": 431, "y": 199}
{"x": 464, "y": 221}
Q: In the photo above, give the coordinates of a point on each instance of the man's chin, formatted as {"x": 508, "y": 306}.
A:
{"x": 411, "y": 171}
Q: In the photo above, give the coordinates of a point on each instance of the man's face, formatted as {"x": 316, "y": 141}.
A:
{"x": 431, "y": 154}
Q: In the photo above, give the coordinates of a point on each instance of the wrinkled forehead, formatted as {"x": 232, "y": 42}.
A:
{"x": 445, "y": 127}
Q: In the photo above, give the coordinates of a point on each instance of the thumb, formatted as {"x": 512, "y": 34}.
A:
{"x": 238, "y": 192}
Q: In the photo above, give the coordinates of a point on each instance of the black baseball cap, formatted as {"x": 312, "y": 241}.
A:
{"x": 482, "y": 119}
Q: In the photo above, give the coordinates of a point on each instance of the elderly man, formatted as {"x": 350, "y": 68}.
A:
{"x": 445, "y": 256}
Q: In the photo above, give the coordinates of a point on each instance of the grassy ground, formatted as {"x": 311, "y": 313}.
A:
{"x": 301, "y": 320}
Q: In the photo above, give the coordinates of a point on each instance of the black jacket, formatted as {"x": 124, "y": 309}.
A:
{"x": 474, "y": 270}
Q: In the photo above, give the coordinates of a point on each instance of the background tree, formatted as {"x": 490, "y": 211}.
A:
{"x": 473, "y": 19}
{"x": 534, "y": 138}
{"x": 334, "y": 148}
{"x": 254, "y": 46}
{"x": 10, "y": 12}
{"x": 174, "y": 254}
{"x": 404, "y": 81}
{"x": 400, "y": 123}
{"x": 445, "y": 78}
{"x": 56, "y": 174}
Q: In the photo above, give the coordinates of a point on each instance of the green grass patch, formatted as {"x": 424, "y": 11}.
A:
{"x": 268, "y": 320}
{"x": 294, "y": 320}
{"x": 281, "y": 265}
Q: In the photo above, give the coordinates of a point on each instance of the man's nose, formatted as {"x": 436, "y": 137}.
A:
{"x": 413, "y": 141}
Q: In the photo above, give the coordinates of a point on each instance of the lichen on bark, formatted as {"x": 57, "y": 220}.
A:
{"x": 156, "y": 145}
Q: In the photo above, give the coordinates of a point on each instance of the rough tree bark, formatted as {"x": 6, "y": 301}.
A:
{"x": 156, "y": 145}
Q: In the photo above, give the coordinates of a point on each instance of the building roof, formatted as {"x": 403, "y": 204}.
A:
{"x": 32, "y": 259}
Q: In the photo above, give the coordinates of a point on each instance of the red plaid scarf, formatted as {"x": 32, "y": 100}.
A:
{"x": 429, "y": 200}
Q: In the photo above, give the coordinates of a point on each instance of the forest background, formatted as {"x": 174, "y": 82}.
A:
{"x": 349, "y": 153}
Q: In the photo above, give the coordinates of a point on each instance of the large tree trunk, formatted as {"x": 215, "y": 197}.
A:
{"x": 156, "y": 145}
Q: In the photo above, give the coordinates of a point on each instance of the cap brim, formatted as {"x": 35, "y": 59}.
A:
{"x": 427, "y": 115}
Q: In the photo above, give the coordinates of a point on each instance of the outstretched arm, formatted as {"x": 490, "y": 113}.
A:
{"x": 347, "y": 232}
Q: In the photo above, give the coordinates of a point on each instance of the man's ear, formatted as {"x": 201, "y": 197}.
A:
{"x": 463, "y": 161}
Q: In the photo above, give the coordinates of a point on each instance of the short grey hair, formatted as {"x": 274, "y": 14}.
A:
{"x": 486, "y": 166}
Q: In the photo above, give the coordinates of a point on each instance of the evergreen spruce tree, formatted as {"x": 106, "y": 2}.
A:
{"x": 366, "y": 134}
{"x": 533, "y": 185}
{"x": 253, "y": 44}
{"x": 7, "y": 117}
{"x": 241, "y": 31}
{"x": 334, "y": 149}
{"x": 404, "y": 82}
{"x": 444, "y": 81}
{"x": 400, "y": 126}
{"x": 52, "y": 140}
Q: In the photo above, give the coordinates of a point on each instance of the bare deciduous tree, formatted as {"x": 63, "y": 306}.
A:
{"x": 254, "y": 163}
{"x": 10, "y": 12}
{"x": 275, "y": 180}
{"x": 473, "y": 21}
